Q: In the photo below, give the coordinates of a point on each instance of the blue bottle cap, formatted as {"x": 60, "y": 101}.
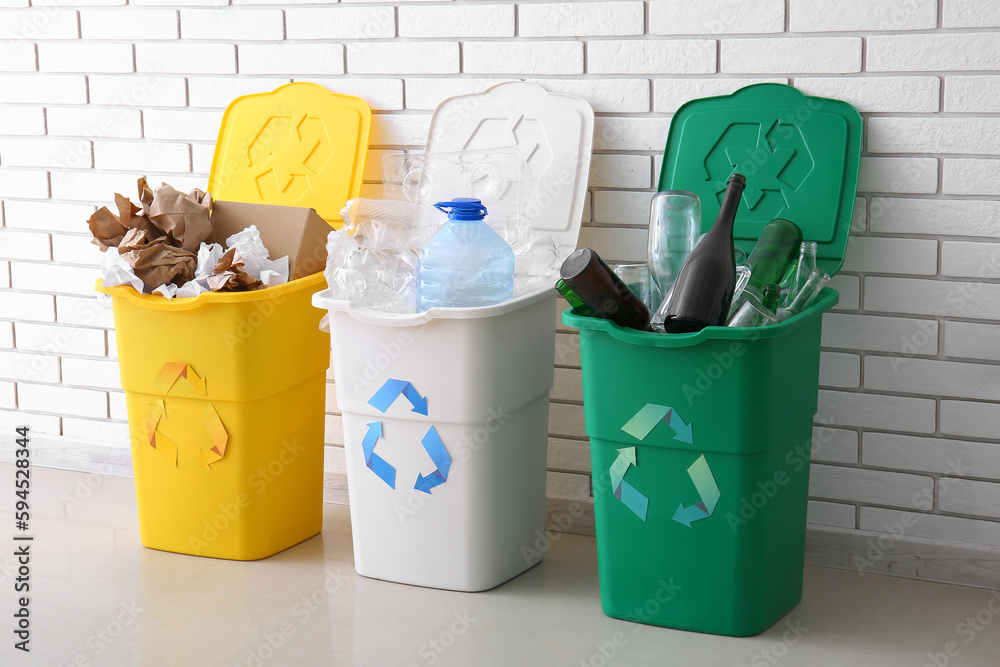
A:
{"x": 462, "y": 208}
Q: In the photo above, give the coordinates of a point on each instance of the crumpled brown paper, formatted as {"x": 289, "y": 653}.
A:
{"x": 158, "y": 262}
{"x": 230, "y": 276}
{"x": 136, "y": 239}
{"x": 145, "y": 195}
{"x": 107, "y": 230}
{"x": 182, "y": 217}
{"x": 127, "y": 214}
{"x": 159, "y": 239}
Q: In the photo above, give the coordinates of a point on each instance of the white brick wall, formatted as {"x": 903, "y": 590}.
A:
{"x": 95, "y": 92}
{"x": 677, "y": 17}
{"x": 569, "y": 19}
{"x": 821, "y": 15}
{"x": 803, "y": 54}
{"x": 456, "y": 21}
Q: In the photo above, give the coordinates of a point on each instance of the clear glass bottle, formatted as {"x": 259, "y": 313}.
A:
{"x": 674, "y": 226}
{"x": 806, "y": 296}
{"x": 804, "y": 266}
{"x": 754, "y": 313}
{"x": 638, "y": 278}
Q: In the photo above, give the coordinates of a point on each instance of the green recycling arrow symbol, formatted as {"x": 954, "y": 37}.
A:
{"x": 641, "y": 425}
{"x": 650, "y": 415}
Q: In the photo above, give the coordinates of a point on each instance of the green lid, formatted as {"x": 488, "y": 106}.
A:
{"x": 800, "y": 155}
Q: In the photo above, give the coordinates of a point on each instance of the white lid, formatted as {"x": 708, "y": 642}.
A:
{"x": 554, "y": 133}
{"x": 324, "y": 301}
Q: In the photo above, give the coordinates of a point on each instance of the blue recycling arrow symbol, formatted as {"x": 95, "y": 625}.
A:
{"x": 390, "y": 391}
{"x": 382, "y": 400}
{"x": 441, "y": 458}
{"x": 376, "y": 463}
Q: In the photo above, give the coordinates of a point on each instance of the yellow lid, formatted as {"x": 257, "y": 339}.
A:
{"x": 299, "y": 145}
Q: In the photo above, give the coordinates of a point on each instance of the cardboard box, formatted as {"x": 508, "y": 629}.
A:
{"x": 285, "y": 230}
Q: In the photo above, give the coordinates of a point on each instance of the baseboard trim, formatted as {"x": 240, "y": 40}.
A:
{"x": 867, "y": 552}
{"x": 51, "y": 451}
{"x": 862, "y": 551}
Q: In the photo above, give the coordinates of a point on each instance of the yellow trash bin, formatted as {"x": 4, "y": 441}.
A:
{"x": 226, "y": 391}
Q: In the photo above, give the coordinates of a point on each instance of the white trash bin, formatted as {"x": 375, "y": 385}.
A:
{"x": 474, "y": 382}
{"x": 445, "y": 412}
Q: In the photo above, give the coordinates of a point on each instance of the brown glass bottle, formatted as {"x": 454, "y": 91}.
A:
{"x": 704, "y": 288}
{"x": 597, "y": 286}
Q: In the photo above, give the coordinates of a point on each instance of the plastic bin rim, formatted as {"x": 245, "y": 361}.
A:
{"x": 323, "y": 301}
{"x": 828, "y": 300}
{"x": 157, "y": 302}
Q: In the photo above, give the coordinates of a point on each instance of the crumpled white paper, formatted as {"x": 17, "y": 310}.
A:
{"x": 116, "y": 271}
{"x": 270, "y": 277}
{"x": 168, "y": 290}
{"x": 209, "y": 255}
{"x": 255, "y": 261}
{"x": 191, "y": 288}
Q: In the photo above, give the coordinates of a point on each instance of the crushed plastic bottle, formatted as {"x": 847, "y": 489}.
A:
{"x": 390, "y": 224}
{"x": 382, "y": 280}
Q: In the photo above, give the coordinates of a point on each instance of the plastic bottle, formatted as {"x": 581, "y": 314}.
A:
{"x": 597, "y": 286}
{"x": 704, "y": 288}
{"x": 466, "y": 264}
{"x": 389, "y": 224}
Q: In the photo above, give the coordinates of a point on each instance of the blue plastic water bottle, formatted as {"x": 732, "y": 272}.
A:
{"x": 466, "y": 264}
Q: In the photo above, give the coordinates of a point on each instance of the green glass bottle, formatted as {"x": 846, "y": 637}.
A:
{"x": 776, "y": 249}
{"x": 596, "y": 285}
{"x": 575, "y": 302}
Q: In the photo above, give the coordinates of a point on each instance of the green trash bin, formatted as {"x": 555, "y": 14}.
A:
{"x": 700, "y": 443}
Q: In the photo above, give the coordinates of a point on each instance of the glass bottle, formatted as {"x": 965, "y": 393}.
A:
{"x": 674, "y": 226}
{"x": 804, "y": 266}
{"x": 597, "y": 286}
{"x": 806, "y": 296}
{"x": 702, "y": 293}
{"x": 575, "y": 302}
{"x": 754, "y": 313}
{"x": 770, "y": 258}
{"x": 638, "y": 278}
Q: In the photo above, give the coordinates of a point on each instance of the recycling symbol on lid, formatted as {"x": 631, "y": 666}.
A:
{"x": 288, "y": 154}
{"x": 774, "y": 157}
{"x": 382, "y": 400}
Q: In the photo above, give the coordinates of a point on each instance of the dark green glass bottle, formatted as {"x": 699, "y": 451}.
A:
{"x": 575, "y": 302}
{"x": 776, "y": 249}
{"x": 705, "y": 284}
